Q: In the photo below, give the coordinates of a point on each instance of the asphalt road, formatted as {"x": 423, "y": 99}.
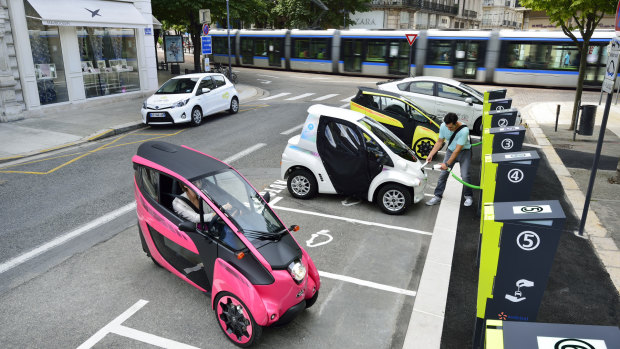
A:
{"x": 60, "y": 298}
{"x": 76, "y": 289}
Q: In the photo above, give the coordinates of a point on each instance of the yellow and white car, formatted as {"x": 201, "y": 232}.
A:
{"x": 188, "y": 98}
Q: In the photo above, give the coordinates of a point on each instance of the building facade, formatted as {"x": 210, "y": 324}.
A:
{"x": 420, "y": 14}
{"x": 502, "y": 14}
{"x": 539, "y": 20}
{"x": 61, "y": 52}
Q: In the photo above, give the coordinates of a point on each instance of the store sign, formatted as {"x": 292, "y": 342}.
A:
{"x": 612, "y": 66}
{"x": 367, "y": 20}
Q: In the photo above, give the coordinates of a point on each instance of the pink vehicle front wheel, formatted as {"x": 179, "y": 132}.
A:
{"x": 236, "y": 320}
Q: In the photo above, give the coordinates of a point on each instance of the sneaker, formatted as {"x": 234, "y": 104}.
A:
{"x": 434, "y": 201}
{"x": 468, "y": 201}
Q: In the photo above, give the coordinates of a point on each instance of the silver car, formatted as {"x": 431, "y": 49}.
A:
{"x": 440, "y": 96}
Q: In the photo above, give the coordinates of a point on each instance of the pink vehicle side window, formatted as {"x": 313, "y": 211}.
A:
{"x": 150, "y": 180}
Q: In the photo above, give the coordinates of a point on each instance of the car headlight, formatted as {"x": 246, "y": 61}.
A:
{"x": 180, "y": 103}
{"x": 297, "y": 271}
{"x": 144, "y": 105}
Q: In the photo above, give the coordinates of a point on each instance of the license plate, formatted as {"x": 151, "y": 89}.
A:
{"x": 157, "y": 115}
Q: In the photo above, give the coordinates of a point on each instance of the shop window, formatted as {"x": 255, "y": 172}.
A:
{"x": 109, "y": 60}
{"x": 47, "y": 57}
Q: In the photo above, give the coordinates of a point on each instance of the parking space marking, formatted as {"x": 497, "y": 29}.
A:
{"x": 319, "y": 234}
{"x": 352, "y": 220}
{"x": 344, "y": 105}
{"x": 12, "y": 263}
{"x": 367, "y": 283}
{"x": 291, "y": 130}
{"x": 243, "y": 153}
{"x": 348, "y": 99}
{"x": 115, "y": 326}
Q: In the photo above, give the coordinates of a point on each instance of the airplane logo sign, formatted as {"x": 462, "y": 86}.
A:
{"x": 411, "y": 38}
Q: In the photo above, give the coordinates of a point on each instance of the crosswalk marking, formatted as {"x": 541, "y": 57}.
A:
{"x": 325, "y": 97}
{"x": 275, "y": 96}
{"x": 347, "y": 99}
{"x": 299, "y": 97}
{"x": 344, "y": 106}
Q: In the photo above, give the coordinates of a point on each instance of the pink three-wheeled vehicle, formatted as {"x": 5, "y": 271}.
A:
{"x": 239, "y": 251}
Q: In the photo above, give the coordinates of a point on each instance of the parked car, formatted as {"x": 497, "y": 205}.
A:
{"x": 440, "y": 96}
{"x": 243, "y": 257}
{"x": 345, "y": 152}
{"x": 189, "y": 98}
{"x": 409, "y": 122}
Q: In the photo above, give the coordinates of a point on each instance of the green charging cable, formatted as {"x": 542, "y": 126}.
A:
{"x": 476, "y": 144}
{"x": 462, "y": 181}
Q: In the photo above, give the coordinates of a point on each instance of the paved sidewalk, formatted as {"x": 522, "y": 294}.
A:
{"x": 59, "y": 127}
{"x": 572, "y": 162}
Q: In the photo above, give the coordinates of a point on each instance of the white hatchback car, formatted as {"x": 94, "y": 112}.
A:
{"x": 439, "y": 96}
{"x": 344, "y": 152}
{"x": 187, "y": 98}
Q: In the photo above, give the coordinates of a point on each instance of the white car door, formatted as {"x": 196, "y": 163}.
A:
{"x": 205, "y": 98}
{"x": 452, "y": 100}
{"x": 421, "y": 93}
{"x": 221, "y": 94}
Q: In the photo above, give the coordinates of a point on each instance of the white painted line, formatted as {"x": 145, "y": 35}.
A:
{"x": 352, "y": 220}
{"x": 291, "y": 130}
{"x": 367, "y": 283}
{"x": 243, "y": 153}
{"x": 90, "y": 342}
{"x": 150, "y": 338}
{"x": 532, "y": 145}
{"x": 275, "y": 201}
{"x": 12, "y": 263}
{"x": 430, "y": 195}
{"x": 347, "y": 99}
{"x": 322, "y": 98}
{"x": 344, "y": 105}
{"x": 299, "y": 97}
{"x": 275, "y": 96}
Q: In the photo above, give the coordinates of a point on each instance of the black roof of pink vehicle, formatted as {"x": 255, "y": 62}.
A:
{"x": 188, "y": 163}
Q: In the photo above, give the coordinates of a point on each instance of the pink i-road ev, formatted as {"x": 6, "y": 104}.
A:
{"x": 200, "y": 219}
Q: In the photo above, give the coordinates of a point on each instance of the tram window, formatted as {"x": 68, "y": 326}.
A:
{"x": 376, "y": 51}
{"x": 440, "y": 52}
{"x": 311, "y": 48}
{"x": 542, "y": 56}
{"x": 260, "y": 47}
{"x": 220, "y": 45}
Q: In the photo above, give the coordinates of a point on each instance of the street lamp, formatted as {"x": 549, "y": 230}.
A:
{"x": 228, "y": 28}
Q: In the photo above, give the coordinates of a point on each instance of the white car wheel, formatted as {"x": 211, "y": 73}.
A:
{"x": 302, "y": 184}
{"x": 394, "y": 199}
{"x": 196, "y": 119}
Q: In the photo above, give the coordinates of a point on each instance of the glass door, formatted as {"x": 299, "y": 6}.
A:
{"x": 398, "y": 57}
{"x": 466, "y": 59}
{"x": 352, "y": 55}
{"x": 247, "y": 51}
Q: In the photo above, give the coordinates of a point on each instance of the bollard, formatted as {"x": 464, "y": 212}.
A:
{"x": 557, "y": 118}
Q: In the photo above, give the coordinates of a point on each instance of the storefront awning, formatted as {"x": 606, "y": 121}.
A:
{"x": 156, "y": 23}
{"x": 89, "y": 13}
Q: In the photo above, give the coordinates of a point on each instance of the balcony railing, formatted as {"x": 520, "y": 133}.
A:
{"x": 417, "y": 5}
{"x": 470, "y": 14}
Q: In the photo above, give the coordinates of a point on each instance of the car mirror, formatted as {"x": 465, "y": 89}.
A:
{"x": 469, "y": 101}
{"x": 267, "y": 197}
{"x": 187, "y": 227}
{"x": 204, "y": 90}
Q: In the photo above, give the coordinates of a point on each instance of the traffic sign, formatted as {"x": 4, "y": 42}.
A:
{"x": 612, "y": 66}
{"x": 205, "y": 16}
{"x": 205, "y": 29}
{"x": 411, "y": 38}
{"x": 206, "y": 45}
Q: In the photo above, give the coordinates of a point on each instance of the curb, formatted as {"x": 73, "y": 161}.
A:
{"x": 427, "y": 317}
{"x": 101, "y": 134}
{"x": 604, "y": 246}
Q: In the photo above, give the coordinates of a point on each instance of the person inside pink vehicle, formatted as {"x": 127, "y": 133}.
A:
{"x": 190, "y": 212}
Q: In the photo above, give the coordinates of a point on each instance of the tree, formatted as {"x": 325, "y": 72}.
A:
{"x": 584, "y": 15}
{"x": 305, "y": 13}
{"x": 184, "y": 13}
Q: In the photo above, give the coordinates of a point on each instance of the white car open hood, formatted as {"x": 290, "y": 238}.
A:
{"x": 166, "y": 100}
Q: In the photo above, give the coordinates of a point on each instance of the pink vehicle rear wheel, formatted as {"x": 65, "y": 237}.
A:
{"x": 236, "y": 320}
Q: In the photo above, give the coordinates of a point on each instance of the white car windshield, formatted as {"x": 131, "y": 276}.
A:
{"x": 243, "y": 205}
{"x": 472, "y": 91}
{"x": 389, "y": 139}
{"x": 174, "y": 86}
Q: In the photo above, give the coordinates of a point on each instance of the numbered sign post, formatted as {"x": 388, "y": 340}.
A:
{"x": 509, "y": 176}
{"x": 504, "y": 139}
{"x": 516, "y": 254}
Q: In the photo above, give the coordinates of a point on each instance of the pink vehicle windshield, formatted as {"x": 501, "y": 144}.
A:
{"x": 242, "y": 204}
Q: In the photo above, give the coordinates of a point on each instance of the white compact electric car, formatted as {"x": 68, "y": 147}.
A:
{"x": 344, "y": 152}
{"x": 188, "y": 98}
